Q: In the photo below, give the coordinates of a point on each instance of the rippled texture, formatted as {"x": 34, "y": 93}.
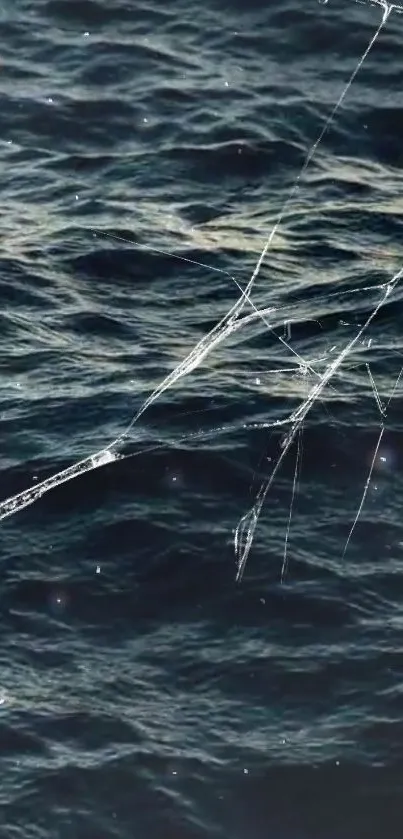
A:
{"x": 147, "y": 150}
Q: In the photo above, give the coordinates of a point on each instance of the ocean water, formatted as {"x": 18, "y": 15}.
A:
{"x": 202, "y": 621}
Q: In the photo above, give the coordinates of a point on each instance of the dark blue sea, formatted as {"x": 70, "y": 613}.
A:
{"x": 201, "y": 419}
